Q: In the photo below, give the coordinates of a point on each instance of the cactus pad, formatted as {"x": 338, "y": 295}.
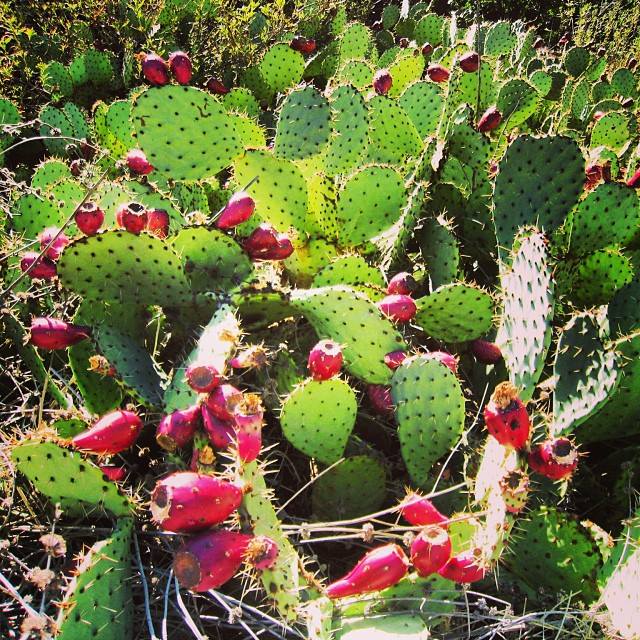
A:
{"x": 405, "y": 70}
{"x": 429, "y": 28}
{"x": 576, "y": 61}
{"x": 612, "y": 132}
{"x": 624, "y": 83}
{"x": 56, "y": 79}
{"x": 500, "y": 40}
{"x": 423, "y": 103}
{"x": 241, "y": 100}
{"x": 33, "y": 213}
{"x": 57, "y": 129}
{"x": 440, "y": 251}
{"x": 48, "y": 173}
{"x": 355, "y": 72}
{"x": 517, "y": 102}
{"x": 281, "y": 68}
{"x": 353, "y": 271}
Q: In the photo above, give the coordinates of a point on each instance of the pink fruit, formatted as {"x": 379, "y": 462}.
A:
{"x": 325, "y": 360}
{"x": 438, "y": 73}
{"x": 178, "y": 428}
{"x": 463, "y": 568}
{"x": 239, "y": 209}
{"x": 138, "y": 163}
{"x": 46, "y": 237}
{"x": 399, "y": 308}
{"x": 38, "y": 266}
{"x": 427, "y": 49}
{"x": 378, "y": 569}
{"x": 220, "y": 432}
{"x": 158, "y": 222}
{"x": 402, "y": 283}
{"x": 89, "y": 218}
{"x": 223, "y": 400}
{"x": 187, "y": 501}
{"x": 248, "y": 420}
{"x": 597, "y": 115}
{"x": 215, "y": 86}
{"x": 262, "y": 552}
{"x": 447, "y": 359}
{"x": 394, "y": 359}
{"x": 430, "y": 550}
{"x": 382, "y": 82}
{"x": 556, "y": 458}
{"x": 380, "y": 399}
{"x": 180, "y": 66}
{"x": 515, "y": 490}
{"x": 111, "y": 434}
{"x": 418, "y": 510}
{"x": 209, "y": 560}
{"x": 634, "y": 180}
{"x": 506, "y": 417}
{"x": 470, "y": 62}
{"x": 254, "y": 357}
{"x": 132, "y": 217}
{"x": 490, "y": 119}
{"x": 114, "y": 472}
{"x": 265, "y": 243}
{"x": 202, "y": 377}
{"x": 486, "y": 352}
{"x": 155, "y": 69}
{"x": 50, "y": 333}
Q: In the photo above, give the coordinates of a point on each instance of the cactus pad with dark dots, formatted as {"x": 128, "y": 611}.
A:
{"x": 241, "y": 100}
{"x": 405, "y": 70}
{"x": 423, "y": 103}
{"x": 612, "y": 132}
{"x": 576, "y": 61}
{"x": 624, "y": 83}
{"x": 78, "y": 71}
{"x": 56, "y": 79}
{"x": 430, "y": 28}
{"x": 281, "y": 67}
{"x": 56, "y": 128}
{"x": 517, "y": 102}
{"x": 353, "y": 271}
{"x": 355, "y": 43}
{"x": 439, "y": 248}
{"x": 542, "y": 82}
{"x": 318, "y": 418}
{"x": 500, "y": 39}
{"x": 357, "y": 73}
{"x": 48, "y": 173}
{"x": 99, "y": 67}
{"x": 32, "y": 213}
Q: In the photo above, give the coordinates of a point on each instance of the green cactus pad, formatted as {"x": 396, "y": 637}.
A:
{"x": 542, "y": 82}
{"x": 353, "y": 271}
{"x": 430, "y": 29}
{"x": 308, "y": 259}
{"x": 370, "y": 201}
{"x": 33, "y": 213}
{"x": 78, "y": 71}
{"x": 517, "y": 102}
{"x": 146, "y": 270}
{"x": 528, "y": 305}
{"x": 624, "y": 83}
{"x": 344, "y": 315}
{"x": 455, "y": 313}
{"x": 458, "y": 174}
{"x": 423, "y": 103}
{"x": 56, "y": 79}
{"x": 191, "y": 197}
{"x": 353, "y": 488}
{"x": 119, "y": 124}
{"x": 576, "y": 61}
{"x": 241, "y": 100}
{"x": 355, "y": 72}
{"x": 77, "y": 120}
{"x": 303, "y": 126}
{"x": 68, "y": 194}
{"x": 500, "y": 40}
{"x": 611, "y": 131}
{"x": 430, "y": 413}
{"x": 98, "y": 601}
{"x": 601, "y": 91}
{"x": 355, "y": 43}
{"x": 65, "y": 477}
{"x": 57, "y": 129}
{"x": 184, "y": 132}
{"x": 439, "y": 248}
{"x": 390, "y": 15}
{"x": 318, "y": 418}
{"x": 98, "y": 66}
{"x": 281, "y": 68}
{"x": 580, "y": 99}
{"x": 9, "y": 114}
{"x": 252, "y": 80}
{"x": 322, "y": 207}
{"x": 407, "y": 626}
{"x": 542, "y": 198}
{"x": 586, "y": 373}
{"x": 405, "y": 70}
{"x": 49, "y": 172}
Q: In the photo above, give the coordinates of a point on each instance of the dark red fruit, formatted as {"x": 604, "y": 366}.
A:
{"x": 38, "y": 266}
{"x": 248, "y": 421}
{"x": 303, "y": 45}
{"x": 427, "y": 49}
{"x": 403, "y": 43}
{"x": 394, "y": 359}
{"x": 111, "y": 434}
{"x": 470, "y": 62}
{"x": 265, "y": 243}
{"x": 158, "y": 222}
{"x": 490, "y": 119}
{"x": 506, "y": 417}
{"x": 178, "y": 428}
{"x": 438, "y": 73}
{"x": 380, "y": 399}
{"x": 76, "y": 166}
{"x": 51, "y": 334}
{"x": 113, "y": 472}
{"x": 402, "y": 283}
{"x": 538, "y": 43}
{"x": 325, "y": 360}
{"x": 155, "y": 69}
{"x": 445, "y": 358}
{"x": 138, "y": 163}
{"x": 238, "y": 210}
{"x": 202, "y": 377}
{"x": 634, "y": 180}
{"x": 215, "y": 86}
{"x": 430, "y": 550}
{"x": 556, "y": 458}
{"x": 89, "y": 218}
{"x": 221, "y": 433}
{"x": 261, "y": 553}
{"x": 54, "y": 239}
{"x": 223, "y": 400}
{"x": 382, "y": 82}
{"x": 399, "y": 308}
{"x": 180, "y": 66}
{"x": 132, "y": 217}
{"x": 486, "y": 352}
{"x": 463, "y": 568}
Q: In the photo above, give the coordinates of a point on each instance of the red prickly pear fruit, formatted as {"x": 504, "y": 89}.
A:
{"x": 463, "y": 568}
{"x": 178, "y": 428}
{"x": 283, "y": 250}
{"x": 215, "y": 86}
{"x": 220, "y": 432}
{"x": 378, "y": 569}
{"x": 538, "y": 44}
{"x": 627, "y": 103}
{"x": 43, "y": 268}
{"x": 470, "y": 62}
{"x": 180, "y": 66}
{"x": 265, "y": 243}
{"x": 111, "y": 434}
{"x": 515, "y": 490}
{"x": 138, "y": 163}
{"x": 238, "y": 210}
{"x": 394, "y": 359}
{"x": 262, "y": 552}
{"x": 447, "y": 359}
{"x": 303, "y": 45}
{"x": 632, "y": 64}
{"x": 187, "y": 501}
{"x": 427, "y": 49}
{"x": 403, "y": 43}
{"x": 438, "y": 73}
{"x": 506, "y": 417}
{"x": 209, "y": 560}
{"x": 490, "y": 119}
{"x": 46, "y": 237}
{"x": 402, "y": 283}
{"x": 248, "y": 420}
{"x": 634, "y": 180}
{"x": 155, "y": 69}
{"x": 380, "y": 399}
{"x": 325, "y": 360}
{"x": 593, "y": 175}
{"x": 158, "y": 222}
{"x": 254, "y": 357}
{"x": 382, "y": 82}
{"x": 132, "y": 217}
{"x": 556, "y": 458}
{"x": 202, "y": 377}
{"x": 223, "y": 400}
{"x": 419, "y": 511}
{"x": 76, "y": 166}
{"x": 51, "y": 334}
{"x": 377, "y": 25}
{"x": 89, "y": 218}
{"x": 398, "y": 308}
{"x": 430, "y": 550}
{"x": 597, "y": 115}
{"x": 114, "y": 472}
{"x": 486, "y": 352}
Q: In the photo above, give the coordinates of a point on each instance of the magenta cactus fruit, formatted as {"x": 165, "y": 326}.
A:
{"x": 486, "y": 352}
{"x": 598, "y": 115}
{"x": 177, "y": 429}
{"x": 265, "y": 243}
{"x": 463, "y": 568}
{"x": 202, "y": 377}
{"x": 220, "y": 432}
{"x": 402, "y": 283}
{"x": 325, "y": 360}
{"x": 248, "y": 420}
{"x": 394, "y": 359}
{"x": 506, "y": 417}
{"x": 262, "y": 553}
{"x": 555, "y": 458}
{"x": 378, "y": 569}
{"x": 52, "y": 334}
{"x": 430, "y": 550}
{"x": 489, "y": 120}
{"x": 427, "y": 49}
{"x": 470, "y": 62}
{"x": 38, "y": 266}
{"x": 418, "y": 510}
{"x": 132, "y": 217}
{"x": 111, "y": 434}
{"x": 238, "y": 210}
{"x": 380, "y": 399}
{"x": 187, "y": 501}
{"x": 89, "y": 218}
{"x": 215, "y": 86}
{"x": 209, "y": 560}
{"x": 158, "y": 222}
{"x": 398, "y": 308}
{"x": 138, "y": 163}
{"x": 634, "y": 180}
{"x": 223, "y": 400}
{"x": 515, "y": 490}
{"x": 155, "y": 69}
{"x": 445, "y": 358}
{"x": 180, "y": 66}
{"x": 48, "y": 236}
{"x": 114, "y": 472}
{"x": 438, "y": 73}
{"x": 382, "y": 82}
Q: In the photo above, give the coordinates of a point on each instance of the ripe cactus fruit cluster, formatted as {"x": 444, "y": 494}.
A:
{"x": 506, "y": 417}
